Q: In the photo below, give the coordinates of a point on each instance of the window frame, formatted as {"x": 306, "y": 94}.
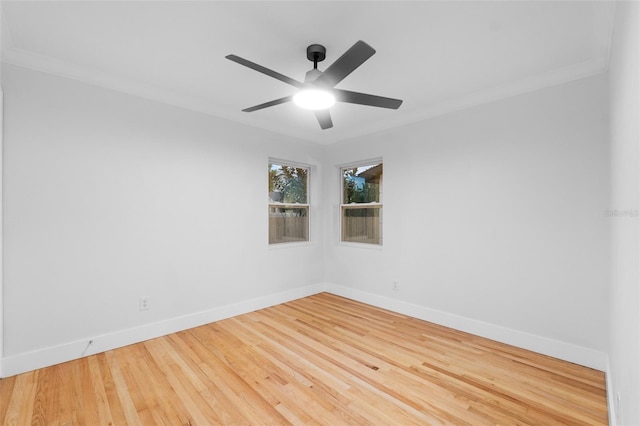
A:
{"x": 277, "y": 204}
{"x": 371, "y": 205}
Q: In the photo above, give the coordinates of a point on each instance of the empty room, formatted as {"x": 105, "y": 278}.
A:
{"x": 323, "y": 212}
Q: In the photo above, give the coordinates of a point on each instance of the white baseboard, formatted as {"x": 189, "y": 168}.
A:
{"x": 29, "y": 361}
{"x": 611, "y": 400}
{"x": 554, "y": 348}
{"x": 45, "y": 357}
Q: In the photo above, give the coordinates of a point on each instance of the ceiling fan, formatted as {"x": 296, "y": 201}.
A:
{"x": 318, "y": 92}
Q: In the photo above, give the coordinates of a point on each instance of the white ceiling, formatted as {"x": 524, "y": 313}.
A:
{"x": 436, "y": 56}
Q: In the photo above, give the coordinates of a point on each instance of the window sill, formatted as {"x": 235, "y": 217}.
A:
{"x": 361, "y": 245}
{"x": 279, "y": 246}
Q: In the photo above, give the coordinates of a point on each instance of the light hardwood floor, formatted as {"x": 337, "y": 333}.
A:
{"x": 318, "y": 360}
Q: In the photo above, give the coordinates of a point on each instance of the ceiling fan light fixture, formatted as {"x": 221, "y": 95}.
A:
{"x": 314, "y": 99}
{"x": 318, "y": 92}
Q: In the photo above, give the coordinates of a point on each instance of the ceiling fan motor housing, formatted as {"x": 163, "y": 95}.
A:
{"x": 311, "y": 75}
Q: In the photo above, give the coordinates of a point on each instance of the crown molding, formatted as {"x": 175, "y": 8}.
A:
{"x": 63, "y": 69}
{"x": 41, "y": 63}
{"x": 553, "y": 78}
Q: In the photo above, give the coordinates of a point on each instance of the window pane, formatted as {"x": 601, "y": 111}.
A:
{"x": 361, "y": 184}
{"x": 288, "y": 224}
{"x": 287, "y": 184}
{"x": 361, "y": 225}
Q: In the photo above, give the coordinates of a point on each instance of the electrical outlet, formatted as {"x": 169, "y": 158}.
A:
{"x": 145, "y": 303}
{"x": 395, "y": 286}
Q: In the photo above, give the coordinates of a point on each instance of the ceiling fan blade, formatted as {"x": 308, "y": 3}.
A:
{"x": 268, "y": 104}
{"x": 324, "y": 118}
{"x": 345, "y": 64}
{"x": 264, "y": 70}
{"x": 366, "y": 99}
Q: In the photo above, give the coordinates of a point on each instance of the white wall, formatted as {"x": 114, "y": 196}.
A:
{"x": 109, "y": 197}
{"x": 624, "y": 352}
{"x": 494, "y": 215}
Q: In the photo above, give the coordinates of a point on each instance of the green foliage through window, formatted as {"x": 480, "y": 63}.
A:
{"x": 361, "y": 208}
{"x": 288, "y": 204}
{"x": 288, "y": 184}
{"x": 361, "y": 184}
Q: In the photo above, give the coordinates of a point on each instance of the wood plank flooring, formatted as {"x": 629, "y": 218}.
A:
{"x": 318, "y": 360}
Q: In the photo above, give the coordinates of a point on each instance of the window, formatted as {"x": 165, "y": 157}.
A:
{"x": 361, "y": 207}
{"x": 288, "y": 203}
